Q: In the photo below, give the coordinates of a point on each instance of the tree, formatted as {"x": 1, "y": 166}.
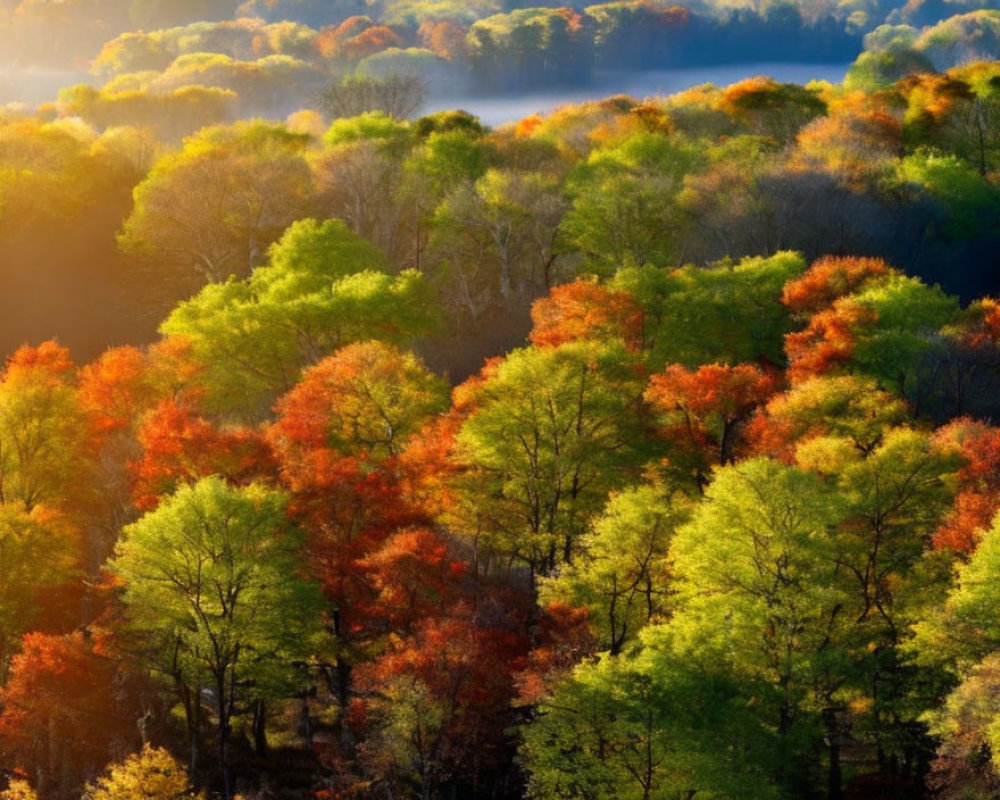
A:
{"x": 856, "y": 146}
{"x": 322, "y": 290}
{"x": 213, "y": 582}
{"x": 651, "y": 723}
{"x": 962, "y": 636}
{"x": 152, "y": 774}
{"x": 365, "y": 399}
{"x": 759, "y": 587}
{"x": 39, "y": 560}
{"x": 625, "y": 210}
{"x": 212, "y": 209}
{"x": 976, "y": 500}
{"x": 45, "y": 434}
{"x": 48, "y": 174}
{"x": 118, "y": 387}
{"x": 703, "y": 410}
{"x": 895, "y": 494}
{"x": 888, "y": 330}
{"x": 415, "y": 578}
{"x": 830, "y": 278}
{"x": 68, "y": 706}
{"x": 967, "y": 125}
{"x": 550, "y": 433}
{"x": 357, "y": 180}
{"x": 178, "y": 446}
{"x": 965, "y": 765}
{"x": 893, "y": 498}
{"x": 499, "y": 238}
{"x": 584, "y": 309}
{"x": 621, "y": 575}
{"x": 965, "y": 630}
{"x": 768, "y": 108}
{"x": 851, "y": 407}
{"x": 18, "y": 790}
{"x": 727, "y": 313}
{"x": 438, "y": 703}
{"x": 399, "y": 96}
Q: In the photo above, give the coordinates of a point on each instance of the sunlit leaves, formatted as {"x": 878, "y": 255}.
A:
{"x": 727, "y": 313}
{"x": 646, "y": 724}
{"x": 621, "y": 575}
{"x": 851, "y": 407}
{"x": 584, "y": 310}
{"x": 703, "y": 410}
{"x": 320, "y": 292}
{"x": 365, "y": 399}
{"x": 44, "y": 432}
{"x": 624, "y": 213}
{"x": 152, "y": 774}
{"x": 551, "y": 433}
{"x": 65, "y": 706}
{"x": 213, "y": 587}
{"x": 211, "y": 210}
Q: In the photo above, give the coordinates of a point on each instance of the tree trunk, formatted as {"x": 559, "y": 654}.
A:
{"x": 834, "y": 776}
{"x": 223, "y": 706}
{"x": 260, "y": 727}
{"x": 192, "y": 719}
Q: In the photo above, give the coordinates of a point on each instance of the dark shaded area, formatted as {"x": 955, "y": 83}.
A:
{"x": 812, "y": 213}
{"x": 64, "y": 280}
{"x": 534, "y": 56}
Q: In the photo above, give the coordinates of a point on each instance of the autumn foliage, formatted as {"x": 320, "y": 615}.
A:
{"x": 826, "y": 344}
{"x": 978, "y": 498}
{"x": 829, "y": 279}
{"x": 586, "y": 310}
{"x": 179, "y": 446}
{"x": 703, "y": 409}
{"x": 67, "y": 710}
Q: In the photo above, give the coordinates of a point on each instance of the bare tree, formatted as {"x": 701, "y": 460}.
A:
{"x": 399, "y": 96}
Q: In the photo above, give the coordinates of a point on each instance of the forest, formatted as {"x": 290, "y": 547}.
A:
{"x": 641, "y": 449}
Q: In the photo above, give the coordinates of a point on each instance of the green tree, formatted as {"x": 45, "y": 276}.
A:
{"x": 965, "y": 629}
{"x": 961, "y": 636}
{"x": 621, "y": 574}
{"x": 967, "y": 199}
{"x": 553, "y": 430}
{"x": 212, "y": 209}
{"x": 625, "y": 210}
{"x": 321, "y": 290}
{"x": 497, "y": 237}
{"x": 727, "y": 313}
{"x": 759, "y": 589}
{"x": 212, "y": 583}
{"x": 651, "y": 724}
{"x": 893, "y": 500}
{"x": 851, "y": 407}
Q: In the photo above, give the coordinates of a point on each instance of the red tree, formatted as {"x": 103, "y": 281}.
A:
{"x": 978, "y": 497}
{"x": 67, "y": 712}
{"x": 702, "y": 410}
{"x": 830, "y": 278}
{"x": 178, "y": 446}
{"x": 585, "y": 310}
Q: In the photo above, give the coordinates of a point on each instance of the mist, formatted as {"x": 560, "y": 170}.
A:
{"x": 502, "y": 109}
{"x": 33, "y": 86}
